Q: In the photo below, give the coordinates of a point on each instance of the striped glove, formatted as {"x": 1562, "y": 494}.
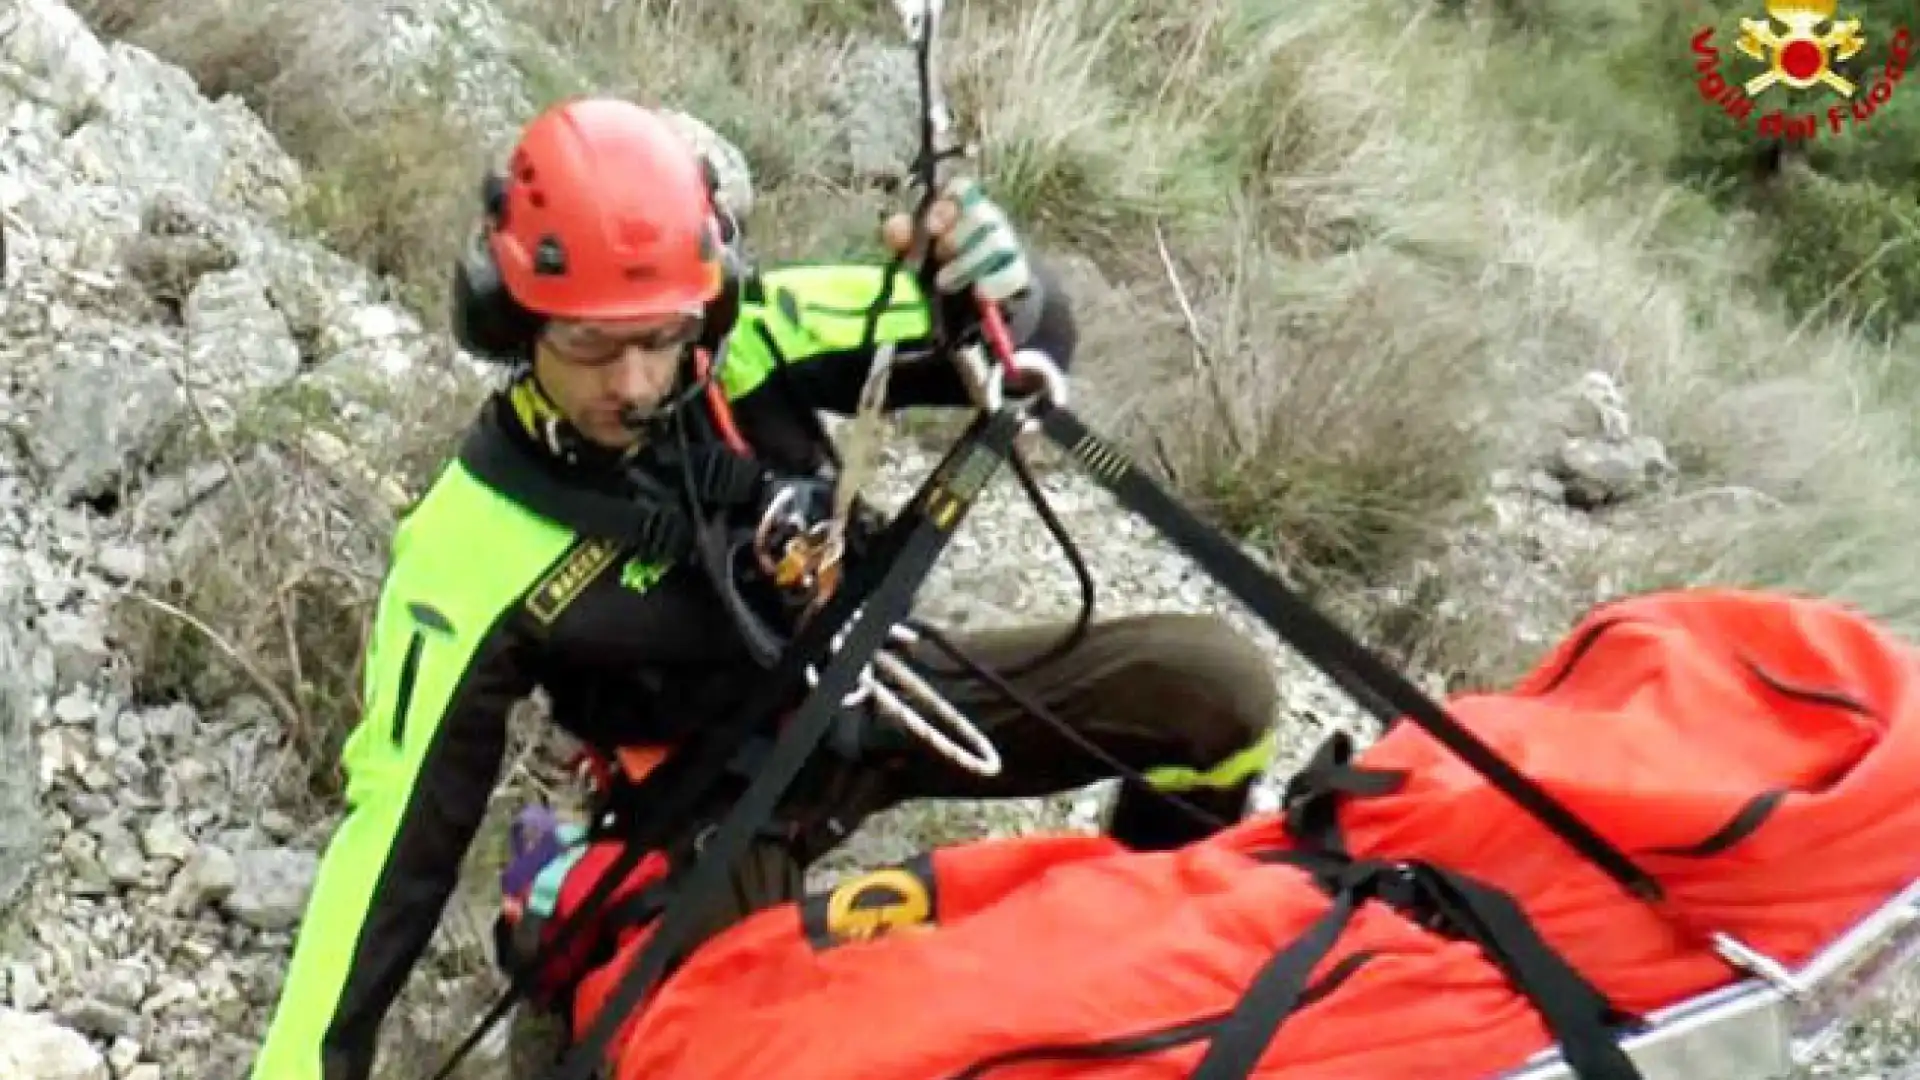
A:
{"x": 974, "y": 245}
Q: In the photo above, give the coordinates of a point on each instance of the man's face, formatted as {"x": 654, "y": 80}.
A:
{"x": 601, "y": 374}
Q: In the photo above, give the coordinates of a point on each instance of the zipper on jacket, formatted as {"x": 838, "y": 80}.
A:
{"x": 409, "y": 670}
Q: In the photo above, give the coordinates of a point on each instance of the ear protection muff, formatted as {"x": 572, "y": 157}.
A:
{"x": 487, "y": 321}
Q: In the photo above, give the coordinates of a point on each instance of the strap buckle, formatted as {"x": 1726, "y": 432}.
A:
{"x": 992, "y": 379}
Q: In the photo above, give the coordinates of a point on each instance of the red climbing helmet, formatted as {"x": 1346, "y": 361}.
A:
{"x": 604, "y": 214}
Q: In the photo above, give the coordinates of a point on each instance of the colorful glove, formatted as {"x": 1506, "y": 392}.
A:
{"x": 978, "y": 247}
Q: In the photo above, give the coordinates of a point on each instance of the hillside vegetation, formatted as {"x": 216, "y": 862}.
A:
{"x": 1400, "y": 225}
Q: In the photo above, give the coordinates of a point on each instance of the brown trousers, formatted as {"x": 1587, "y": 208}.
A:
{"x": 1150, "y": 690}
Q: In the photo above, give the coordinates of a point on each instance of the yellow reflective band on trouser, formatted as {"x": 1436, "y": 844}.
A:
{"x": 1235, "y": 770}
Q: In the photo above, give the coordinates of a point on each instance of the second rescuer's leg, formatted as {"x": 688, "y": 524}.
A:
{"x": 1184, "y": 699}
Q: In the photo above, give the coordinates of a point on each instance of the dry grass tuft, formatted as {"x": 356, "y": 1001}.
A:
{"x": 270, "y": 582}
{"x": 1394, "y": 279}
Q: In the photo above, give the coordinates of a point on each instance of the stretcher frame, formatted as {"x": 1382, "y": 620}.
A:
{"x": 1763, "y": 1028}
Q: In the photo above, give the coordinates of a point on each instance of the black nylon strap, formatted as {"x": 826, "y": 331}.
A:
{"x": 1311, "y": 799}
{"x": 886, "y": 586}
{"x": 1272, "y": 996}
{"x": 651, "y": 522}
{"x": 1371, "y": 681}
{"x": 1579, "y": 1018}
{"x": 1574, "y": 1011}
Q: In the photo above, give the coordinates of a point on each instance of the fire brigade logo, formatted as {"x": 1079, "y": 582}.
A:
{"x": 1801, "y": 42}
{"x": 1801, "y": 57}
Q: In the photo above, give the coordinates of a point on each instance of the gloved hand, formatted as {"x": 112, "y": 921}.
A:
{"x": 974, "y": 245}
{"x": 976, "y": 248}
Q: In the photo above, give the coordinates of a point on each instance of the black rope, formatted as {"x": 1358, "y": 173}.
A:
{"x": 925, "y": 167}
{"x": 1082, "y": 574}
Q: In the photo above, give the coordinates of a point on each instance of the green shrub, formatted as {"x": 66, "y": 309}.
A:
{"x": 1847, "y": 248}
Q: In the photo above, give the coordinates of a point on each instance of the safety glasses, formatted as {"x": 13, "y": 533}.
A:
{"x": 604, "y": 342}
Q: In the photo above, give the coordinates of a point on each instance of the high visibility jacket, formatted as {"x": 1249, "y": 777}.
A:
{"x": 1758, "y": 754}
{"x": 484, "y": 600}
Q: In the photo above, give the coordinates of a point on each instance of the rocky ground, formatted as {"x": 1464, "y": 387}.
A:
{"x": 151, "y": 871}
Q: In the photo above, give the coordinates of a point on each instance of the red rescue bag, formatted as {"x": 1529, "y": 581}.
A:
{"x": 1058, "y": 957}
{"x": 1757, "y": 753}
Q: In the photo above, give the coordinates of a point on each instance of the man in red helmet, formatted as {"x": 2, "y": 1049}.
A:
{"x": 558, "y": 550}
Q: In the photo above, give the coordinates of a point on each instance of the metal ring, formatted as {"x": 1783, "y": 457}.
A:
{"x": 775, "y": 508}
{"x": 980, "y": 756}
{"x": 1053, "y": 382}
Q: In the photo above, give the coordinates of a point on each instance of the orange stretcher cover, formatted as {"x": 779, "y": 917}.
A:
{"x": 1757, "y": 753}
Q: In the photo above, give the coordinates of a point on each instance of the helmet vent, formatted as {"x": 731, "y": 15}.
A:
{"x": 549, "y": 257}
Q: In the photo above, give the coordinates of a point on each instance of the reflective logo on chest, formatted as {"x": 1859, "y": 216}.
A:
{"x": 565, "y": 582}
{"x": 640, "y": 575}
{"x": 585, "y": 563}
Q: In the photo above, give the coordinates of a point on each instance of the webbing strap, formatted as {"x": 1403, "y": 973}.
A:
{"x": 1577, "y": 1014}
{"x": 651, "y": 521}
{"x": 1370, "y": 680}
{"x": 1310, "y": 801}
{"x": 886, "y": 585}
{"x": 1272, "y": 996}
{"x": 1573, "y": 1011}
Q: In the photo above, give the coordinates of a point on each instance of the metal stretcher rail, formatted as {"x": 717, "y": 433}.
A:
{"x": 1758, "y": 1029}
